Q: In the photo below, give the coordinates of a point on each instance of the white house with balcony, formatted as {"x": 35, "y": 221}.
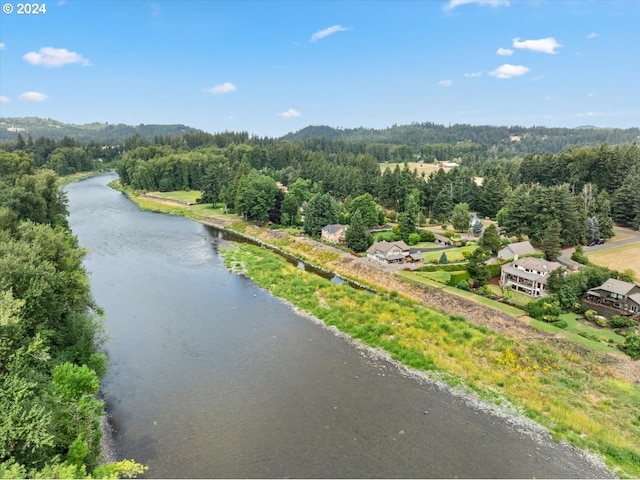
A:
{"x": 528, "y": 275}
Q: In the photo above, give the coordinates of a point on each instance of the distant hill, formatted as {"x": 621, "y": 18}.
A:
{"x": 104, "y": 133}
{"x": 513, "y": 139}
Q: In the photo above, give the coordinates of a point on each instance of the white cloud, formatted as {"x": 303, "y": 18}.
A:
{"x": 2, "y": 45}
{"x": 451, "y": 4}
{"x": 589, "y": 94}
{"x": 291, "y": 113}
{"x": 445, "y": 83}
{"x": 473, "y": 74}
{"x": 505, "y": 52}
{"x": 593, "y": 35}
{"x": 32, "y": 96}
{"x": 326, "y": 32}
{"x": 54, "y": 57}
{"x": 226, "y": 87}
{"x": 507, "y": 71}
{"x": 591, "y": 114}
{"x": 4, "y": 99}
{"x": 544, "y": 45}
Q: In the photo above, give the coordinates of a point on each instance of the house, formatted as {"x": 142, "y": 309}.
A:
{"x": 515, "y": 250}
{"x": 617, "y": 294}
{"x": 528, "y": 275}
{"x": 389, "y": 252}
{"x": 333, "y": 233}
{"x": 441, "y": 239}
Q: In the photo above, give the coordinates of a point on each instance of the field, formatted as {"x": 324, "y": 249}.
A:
{"x": 427, "y": 168}
{"x": 619, "y": 258}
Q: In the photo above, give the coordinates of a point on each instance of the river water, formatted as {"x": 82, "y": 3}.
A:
{"x": 210, "y": 376}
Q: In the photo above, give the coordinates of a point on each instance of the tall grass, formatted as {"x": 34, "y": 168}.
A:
{"x": 564, "y": 387}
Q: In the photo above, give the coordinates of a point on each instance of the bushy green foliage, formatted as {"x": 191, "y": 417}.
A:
{"x": 545, "y": 308}
{"x": 49, "y": 340}
{"x": 413, "y": 239}
{"x": 426, "y": 236}
{"x": 457, "y": 277}
{"x": 618, "y": 321}
{"x": 631, "y": 345}
{"x": 579, "y": 256}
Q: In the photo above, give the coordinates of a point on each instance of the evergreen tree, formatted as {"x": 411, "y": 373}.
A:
{"x": 491, "y": 239}
{"x": 443, "y": 259}
{"x": 409, "y": 218}
{"x": 551, "y": 243}
{"x": 442, "y": 206}
{"x": 321, "y": 211}
{"x": 626, "y": 202}
{"x": 357, "y": 236}
{"x": 476, "y": 228}
{"x": 476, "y": 267}
{"x": 461, "y": 217}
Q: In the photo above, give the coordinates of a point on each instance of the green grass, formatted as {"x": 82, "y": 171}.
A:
{"x": 189, "y": 197}
{"x": 517, "y": 299}
{"x": 602, "y": 334}
{"x": 575, "y": 337}
{"x": 568, "y": 389}
{"x": 453, "y": 254}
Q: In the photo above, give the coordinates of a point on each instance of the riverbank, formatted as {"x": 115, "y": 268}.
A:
{"x": 577, "y": 394}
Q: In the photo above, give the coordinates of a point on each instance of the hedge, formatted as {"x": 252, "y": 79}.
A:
{"x": 457, "y": 277}
{"x": 449, "y": 267}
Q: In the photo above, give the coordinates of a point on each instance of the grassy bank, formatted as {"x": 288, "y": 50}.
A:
{"x": 568, "y": 389}
{"x": 562, "y": 386}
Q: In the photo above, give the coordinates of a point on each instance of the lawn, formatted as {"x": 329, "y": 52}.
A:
{"x": 618, "y": 258}
{"x": 189, "y": 197}
{"x": 599, "y": 334}
{"x": 517, "y": 299}
{"x": 453, "y": 254}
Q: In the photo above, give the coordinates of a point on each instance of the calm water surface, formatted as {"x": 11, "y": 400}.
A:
{"x": 211, "y": 376}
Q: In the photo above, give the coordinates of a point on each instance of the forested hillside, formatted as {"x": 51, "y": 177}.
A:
{"x": 50, "y": 336}
{"x": 103, "y": 133}
{"x": 502, "y": 140}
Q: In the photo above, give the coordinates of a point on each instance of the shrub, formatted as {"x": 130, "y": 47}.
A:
{"x": 618, "y": 321}
{"x": 601, "y": 321}
{"x": 426, "y": 236}
{"x": 560, "y": 324}
{"x": 413, "y": 239}
{"x": 463, "y": 285}
{"x": 457, "y": 277}
{"x": 579, "y": 256}
{"x": 590, "y": 315}
{"x": 631, "y": 345}
{"x": 545, "y": 308}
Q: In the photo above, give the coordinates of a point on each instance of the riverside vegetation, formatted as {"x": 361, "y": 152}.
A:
{"x": 50, "y": 337}
{"x": 569, "y": 389}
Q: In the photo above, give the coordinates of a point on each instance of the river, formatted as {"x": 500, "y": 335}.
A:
{"x": 210, "y": 376}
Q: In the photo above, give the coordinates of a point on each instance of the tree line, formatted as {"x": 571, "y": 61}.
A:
{"x": 50, "y": 336}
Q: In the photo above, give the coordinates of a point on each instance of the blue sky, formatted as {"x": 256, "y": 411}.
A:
{"x": 271, "y": 67}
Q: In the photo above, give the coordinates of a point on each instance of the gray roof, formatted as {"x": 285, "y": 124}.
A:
{"x": 635, "y": 297}
{"x": 537, "y": 264}
{"x": 333, "y": 229}
{"x": 521, "y": 248}
{"x": 534, "y": 277}
{"x": 385, "y": 246}
{"x": 616, "y": 286}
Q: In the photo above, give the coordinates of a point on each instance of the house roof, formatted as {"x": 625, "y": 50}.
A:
{"x": 616, "y": 286}
{"x": 534, "y": 277}
{"x": 635, "y": 297}
{"x": 385, "y": 246}
{"x": 333, "y": 229}
{"x": 537, "y": 264}
{"x": 442, "y": 238}
{"x": 521, "y": 248}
